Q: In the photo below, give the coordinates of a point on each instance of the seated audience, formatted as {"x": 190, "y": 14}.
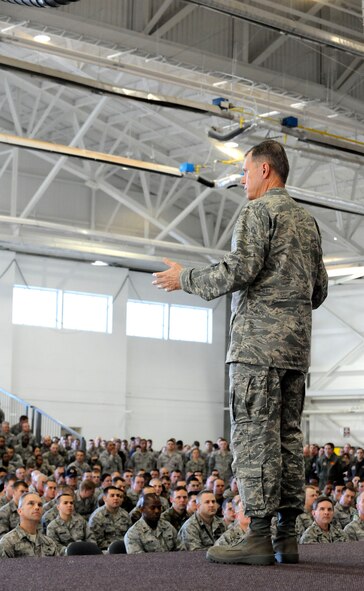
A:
{"x": 177, "y": 514}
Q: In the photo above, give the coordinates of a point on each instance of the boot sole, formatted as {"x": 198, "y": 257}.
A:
{"x": 287, "y": 558}
{"x": 248, "y": 560}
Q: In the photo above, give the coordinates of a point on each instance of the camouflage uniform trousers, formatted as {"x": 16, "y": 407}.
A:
{"x": 195, "y": 534}
{"x": 9, "y": 518}
{"x": 233, "y": 535}
{"x": 142, "y": 538}
{"x": 265, "y": 410}
{"x": 65, "y": 532}
{"x": 19, "y": 543}
{"x": 315, "y": 535}
{"x": 108, "y": 527}
{"x": 355, "y": 529}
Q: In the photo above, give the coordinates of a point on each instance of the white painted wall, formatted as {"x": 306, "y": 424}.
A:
{"x": 116, "y": 385}
{"x": 336, "y": 396}
{"x": 112, "y": 385}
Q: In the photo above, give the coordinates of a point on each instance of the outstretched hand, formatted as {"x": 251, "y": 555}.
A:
{"x": 169, "y": 279}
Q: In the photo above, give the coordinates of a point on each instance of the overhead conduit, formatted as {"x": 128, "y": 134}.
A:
{"x": 41, "y": 3}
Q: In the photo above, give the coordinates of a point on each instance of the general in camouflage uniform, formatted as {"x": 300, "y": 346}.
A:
{"x": 315, "y": 535}
{"x": 276, "y": 275}
{"x": 64, "y": 532}
{"x": 142, "y": 538}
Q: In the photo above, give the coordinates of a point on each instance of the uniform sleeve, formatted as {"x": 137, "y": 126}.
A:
{"x": 240, "y": 267}
{"x": 319, "y": 293}
{"x": 132, "y": 542}
{"x": 189, "y": 538}
{"x": 97, "y": 530}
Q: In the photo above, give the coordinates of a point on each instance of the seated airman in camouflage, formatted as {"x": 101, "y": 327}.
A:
{"x": 53, "y": 457}
{"x": 80, "y": 463}
{"x": 8, "y": 491}
{"x": 305, "y": 519}
{"x": 176, "y": 515}
{"x": 85, "y": 499}
{"x": 68, "y": 527}
{"x": 150, "y": 533}
{"x": 228, "y": 512}
{"x": 221, "y": 460}
{"x": 142, "y": 458}
{"x": 344, "y": 510}
{"x": 137, "y": 485}
{"x": 323, "y": 531}
{"x": 26, "y": 539}
{"x": 9, "y": 516}
{"x": 50, "y": 491}
{"x": 110, "y": 522}
{"x": 238, "y": 530}
{"x": 157, "y": 484}
{"x": 232, "y": 490}
{"x": 110, "y": 459}
{"x": 170, "y": 458}
{"x": 50, "y": 509}
{"x": 196, "y": 463}
{"x": 203, "y": 528}
{"x": 355, "y": 529}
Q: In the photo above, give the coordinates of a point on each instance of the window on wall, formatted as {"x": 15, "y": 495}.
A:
{"x": 55, "y": 308}
{"x": 169, "y": 321}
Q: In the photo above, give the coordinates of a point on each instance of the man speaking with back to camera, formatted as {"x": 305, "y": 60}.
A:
{"x": 276, "y": 275}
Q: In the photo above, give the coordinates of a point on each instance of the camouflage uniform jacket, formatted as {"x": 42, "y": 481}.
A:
{"x": 276, "y": 274}
{"x": 343, "y": 515}
{"x": 85, "y": 507}
{"x": 65, "y": 532}
{"x": 142, "y": 538}
{"x": 108, "y": 527}
{"x": 19, "y": 543}
{"x": 173, "y": 461}
{"x": 221, "y": 462}
{"x": 110, "y": 462}
{"x": 9, "y": 517}
{"x": 355, "y": 529}
{"x": 48, "y": 516}
{"x": 195, "y": 534}
{"x": 233, "y": 535}
{"x": 198, "y": 465}
{"x": 142, "y": 460}
{"x": 4, "y": 501}
{"x": 315, "y": 535}
{"x": 174, "y": 518}
{"x": 303, "y": 522}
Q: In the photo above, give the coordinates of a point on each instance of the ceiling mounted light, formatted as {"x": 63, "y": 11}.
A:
{"x": 100, "y": 264}
{"x": 41, "y": 38}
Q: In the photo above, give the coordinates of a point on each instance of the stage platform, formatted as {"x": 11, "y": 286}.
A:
{"x": 326, "y": 567}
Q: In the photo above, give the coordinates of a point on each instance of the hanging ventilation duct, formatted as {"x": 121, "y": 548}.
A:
{"x": 41, "y": 3}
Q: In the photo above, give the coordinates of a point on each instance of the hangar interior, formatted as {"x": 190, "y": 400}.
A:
{"x": 123, "y": 130}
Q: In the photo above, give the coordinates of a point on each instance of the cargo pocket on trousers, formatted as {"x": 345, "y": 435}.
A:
{"x": 251, "y": 478}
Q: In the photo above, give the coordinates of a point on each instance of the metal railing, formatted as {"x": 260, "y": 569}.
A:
{"x": 41, "y": 423}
